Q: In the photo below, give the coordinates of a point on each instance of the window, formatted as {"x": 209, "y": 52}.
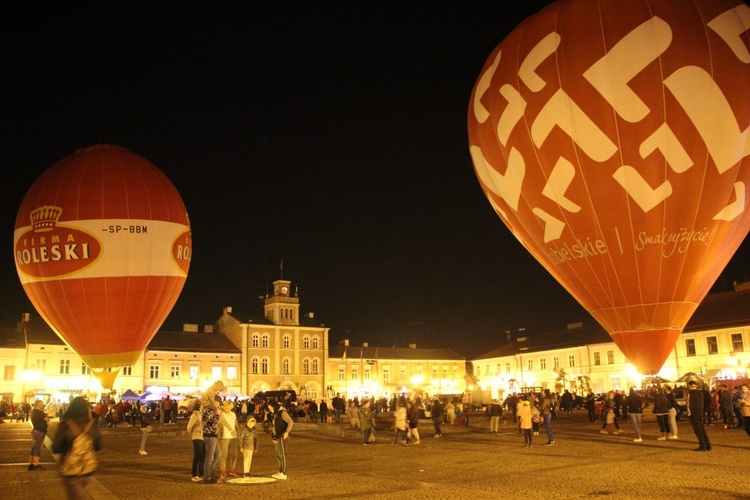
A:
{"x": 556, "y": 362}
{"x": 216, "y": 372}
{"x": 367, "y": 373}
{"x": 543, "y": 364}
{"x": 445, "y": 372}
{"x": 231, "y": 372}
{"x": 10, "y": 372}
{"x": 690, "y": 347}
{"x": 315, "y": 343}
{"x": 195, "y": 371}
{"x": 507, "y": 367}
{"x": 264, "y": 365}
{"x": 287, "y": 341}
{"x": 479, "y": 371}
{"x": 315, "y": 365}
{"x": 254, "y": 365}
{"x": 41, "y": 365}
{"x": 127, "y": 370}
{"x": 434, "y": 372}
{"x": 342, "y": 373}
{"x": 737, "y": 344}
{"x": 531, "y": 364}
{"x": 264, "y": 340}
{"x": 306, "y": 342}
{"x": 64, "y": 367}
{"x": 611, "y": 357}
{"x": 571, "y": 361}
{"x": 386, "y": 376}
{"x": 402, "y": 373}
{"x": 154, "y": 370}
{"x": 85, "y": 370}
{"x": 256, "y": 340}
{"x": 174, "y": 371}
{"x": 355, "y": 374}
{"x": 713, "y": 345}
{"x": 306, "y": 366}
{"x": 285, "y": 366}
{"x": 455, "y": 372}
{"x": 597, "y": 359}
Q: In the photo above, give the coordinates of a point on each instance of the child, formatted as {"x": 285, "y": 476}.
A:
{"x": 525, "y": 416}
{"x": 248, "y": 440}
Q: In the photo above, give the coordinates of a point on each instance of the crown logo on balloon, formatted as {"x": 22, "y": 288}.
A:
{"x": 45, "y": 218}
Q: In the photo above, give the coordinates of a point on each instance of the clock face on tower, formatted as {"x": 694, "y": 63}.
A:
{"x": 284, "y": 290}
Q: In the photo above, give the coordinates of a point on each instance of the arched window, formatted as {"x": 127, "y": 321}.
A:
{"x": 256, "y": 340}
{"x": 306, "y": 342}
{"x": 286, "y": 366}
{"x": 306, "y": 366}
{"x": 264, "y": 340}
{"x": 315, "y": 366}
{"x": 264, "y": 365}
{"x": 287, "y": 341}
{"x": 315, "y": 342}
{"x": 254, "y": 365}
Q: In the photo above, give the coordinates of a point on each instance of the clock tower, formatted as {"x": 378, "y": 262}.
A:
{"x": 282, "y": 308}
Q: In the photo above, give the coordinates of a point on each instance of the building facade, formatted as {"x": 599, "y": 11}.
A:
{"x": 281, "y": 350}
{"x": 364, "y": 371}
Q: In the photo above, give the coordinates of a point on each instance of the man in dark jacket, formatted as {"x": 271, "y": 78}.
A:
{"x": 39, "y": 420}
{"x": 282, "y": 426}
{"x": 695, "y": 413}
{"x": 635, "y": 411}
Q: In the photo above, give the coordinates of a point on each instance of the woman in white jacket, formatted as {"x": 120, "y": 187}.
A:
{"x": 228, "y": 440}
{"x": 195, "y": 429}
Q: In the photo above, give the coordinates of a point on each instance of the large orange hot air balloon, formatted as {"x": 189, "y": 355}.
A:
{"x": 102, "y": 247}
{"x": 612, "y": 138}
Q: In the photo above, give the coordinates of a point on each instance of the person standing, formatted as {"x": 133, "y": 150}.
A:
{"x": 399, "y": 420}
{"x": 436, "y": 413}
{"x": 495, "y": 411}
{"x": 526, "y": 418}
{"x": 228, "y": 440}
{"x": 726, "y": 406}
{"x": 75, "y": 421}
{"x": 661, "y": 410}
{"x": 248, "y": 441}
{"x": 412, "y": 416}
{"x": 145, "y": 429}
{"x": 281, "y": 427}
{"x": 674, "y": 409}
{"x": 368, "y": 421}
{"x": 546, "y": 409}
{"x": 695, "y": 413}
{"x": 609, "y": 415}
{"x": 210, "y": 423}
{"x": 323, "y": 411}
{"x": 39, "y": 421}
{"x": 745, "y": 406}
{"x": 195, "y": 429}
{"x": 353, "y": 413}
{"x": 590, "y": 404}
{"x": 635, "y": 411}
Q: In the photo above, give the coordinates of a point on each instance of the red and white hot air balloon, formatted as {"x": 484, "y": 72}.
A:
{"x": 102, "y": 247}
{"x": 612, "y": 139}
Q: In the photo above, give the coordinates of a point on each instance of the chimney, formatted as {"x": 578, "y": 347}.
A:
{"x": 739, "y": 287}
{"x": 573, "y": 326}
{"x": 208, "y": 328}
{"x": 310, "y": 315}
{"x": 344, "y": 343}
{"x": 190, "y": 327}
{"x": 228, "y": 310}
{"x": 412, "y": 346}
{"x": 365, "y": 344}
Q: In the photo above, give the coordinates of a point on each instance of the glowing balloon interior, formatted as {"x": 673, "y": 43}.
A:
{"x": 102, "y": 247}
{"x": 612, "y": 139}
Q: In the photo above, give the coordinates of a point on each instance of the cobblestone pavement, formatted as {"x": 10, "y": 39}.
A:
{"x": 329, "y": 461}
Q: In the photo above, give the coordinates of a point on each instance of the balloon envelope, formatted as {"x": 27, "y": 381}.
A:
{"x": 102, "y": 247}
{"x": 612, "y": 139}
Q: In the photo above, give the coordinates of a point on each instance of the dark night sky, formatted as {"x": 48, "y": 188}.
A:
{"x": 332, "y": 138}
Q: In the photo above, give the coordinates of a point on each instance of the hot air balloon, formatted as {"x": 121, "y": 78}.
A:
{"x": 612, "y": 139}
{"x": 102, "y": 247}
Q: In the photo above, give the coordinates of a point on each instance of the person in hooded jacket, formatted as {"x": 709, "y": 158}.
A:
{"x": 195, "y": 429}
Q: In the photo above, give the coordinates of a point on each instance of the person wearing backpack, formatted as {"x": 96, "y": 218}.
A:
{"x": 77, "y": 440}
